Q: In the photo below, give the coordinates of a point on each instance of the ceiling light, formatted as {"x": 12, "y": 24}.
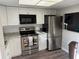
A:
{"x": 42, "y": 3}
{"x": 48, "y": 2}
{"x": 39, "y": 2}
{"x": 28, "y": 2}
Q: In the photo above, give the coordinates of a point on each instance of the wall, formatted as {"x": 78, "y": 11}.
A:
{"x": 68, "y": 36}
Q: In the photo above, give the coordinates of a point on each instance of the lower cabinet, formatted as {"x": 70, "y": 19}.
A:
{"x": 42, "y": 41}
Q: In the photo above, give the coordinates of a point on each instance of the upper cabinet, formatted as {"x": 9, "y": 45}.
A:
{"x": 40, "y": 17}
{"x": 49, "y": 12}
{"x": 27, "y": 11}
{"x": 12, "y": 16}
{"x": 3, "y": 16}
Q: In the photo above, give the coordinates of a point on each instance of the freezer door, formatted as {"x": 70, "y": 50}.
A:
{"x": 50, "y": 33}
{"x": 54, "y": 43}
{"x": 49, "y": 44}
{"x": 57, "y": 42}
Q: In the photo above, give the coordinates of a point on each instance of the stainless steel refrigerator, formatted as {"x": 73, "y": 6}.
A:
{"x": 54, "y": 32}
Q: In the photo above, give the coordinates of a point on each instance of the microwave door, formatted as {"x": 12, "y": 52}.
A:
{"x": 27, "y": 19}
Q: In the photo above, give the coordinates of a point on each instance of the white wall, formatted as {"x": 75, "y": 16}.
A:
{"x": 68, "y": 36}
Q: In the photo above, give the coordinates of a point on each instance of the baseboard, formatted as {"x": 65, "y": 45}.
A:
{"x": 65, "y": 50}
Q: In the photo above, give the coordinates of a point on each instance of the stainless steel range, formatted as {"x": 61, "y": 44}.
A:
{"x": 29, "y": 40}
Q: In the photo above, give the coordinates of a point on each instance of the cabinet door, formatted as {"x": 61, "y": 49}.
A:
{"x": 42, "y": 42}
{"x": 3, "y": 16}
{"x": 0, "y": 55}
{"x": 2, "y": 46}
{"x": 14, "y": 44}
{"x": 13, "y": 16}
{"x": 49, "y": 12}
{"x": 40, "y": 17}
{"x": 27, "y": 11}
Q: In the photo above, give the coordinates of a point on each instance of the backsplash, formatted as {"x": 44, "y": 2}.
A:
{"x": 15, "y": 28}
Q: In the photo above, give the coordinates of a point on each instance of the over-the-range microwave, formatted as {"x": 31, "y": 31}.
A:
{"x": 27, "y": 19}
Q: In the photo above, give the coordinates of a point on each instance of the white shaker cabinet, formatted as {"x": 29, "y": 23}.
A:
{"x": 0, "y": 55}
{"x": 3, "y": 16}
{"x": 2, "y": 46}
{"x": 40, "y": 17}
{"x": 14, "y": 45}
{"x": 49, "y": 12}
{"x": 42, "y": 37}
{"x": 13, "y": 16}
{"x": 27, "y": 11}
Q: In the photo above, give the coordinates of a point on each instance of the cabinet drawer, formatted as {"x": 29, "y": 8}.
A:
{"x": 25, "y": 52}
{"x": 34, "y": 51}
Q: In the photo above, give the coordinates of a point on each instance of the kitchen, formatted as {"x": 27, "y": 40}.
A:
{"x": 11, "y": 27}
{"x": 13, "y": 41}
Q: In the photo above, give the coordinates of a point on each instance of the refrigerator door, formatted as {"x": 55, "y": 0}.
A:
{"x": 57, "y": 26}
{"x": 57, "y": 43}
{"x": 50, "y": 32}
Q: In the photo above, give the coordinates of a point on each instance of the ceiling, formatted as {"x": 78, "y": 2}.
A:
{"x": 64, "y": 3}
